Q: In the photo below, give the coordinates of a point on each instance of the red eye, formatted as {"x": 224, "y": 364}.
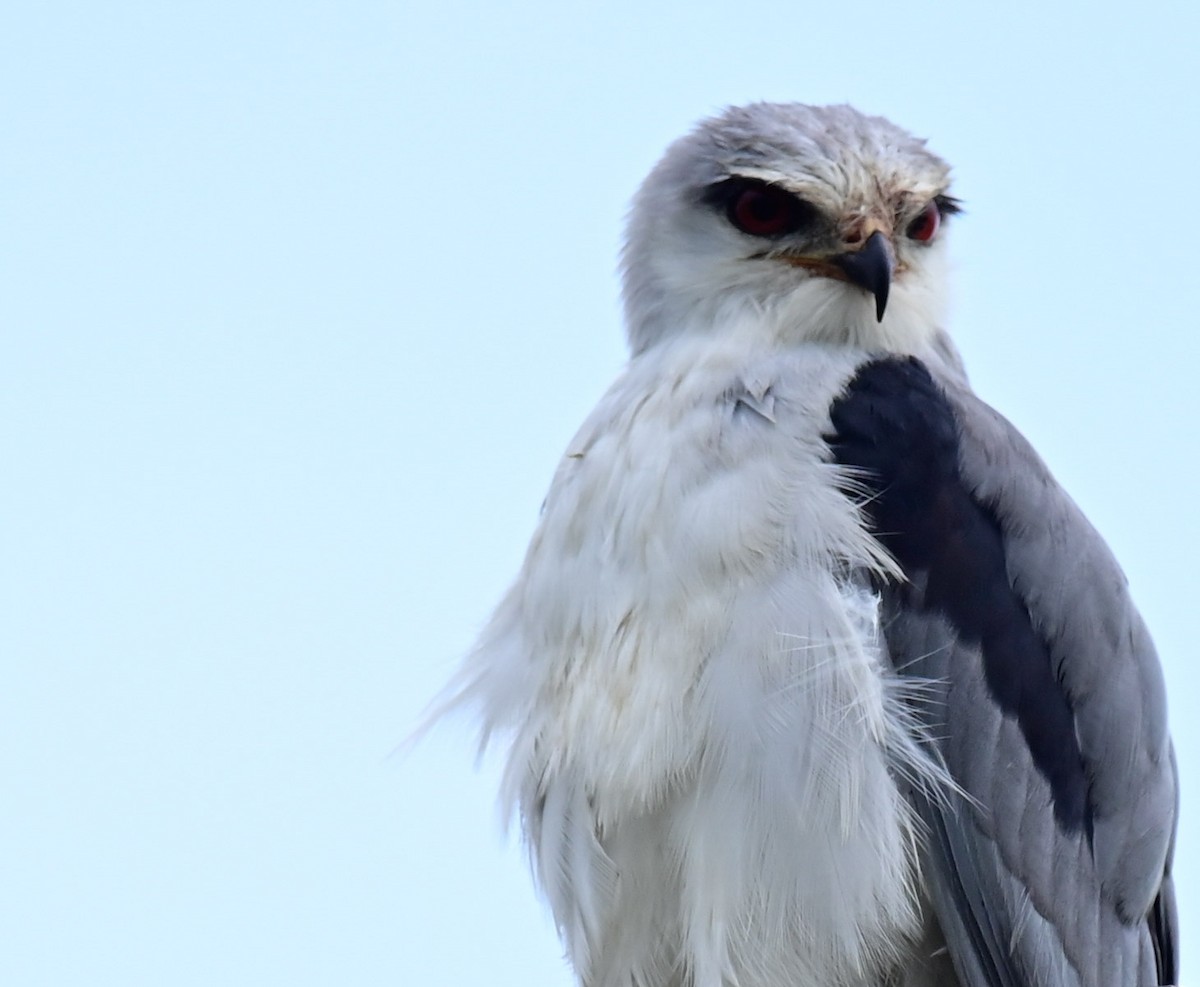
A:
{"x": 924, "y": 228}
{"x": 764, "y": 210}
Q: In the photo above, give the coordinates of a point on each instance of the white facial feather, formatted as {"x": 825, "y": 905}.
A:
{"x": 703, "y": 739}
{"x": 687, "y": 269}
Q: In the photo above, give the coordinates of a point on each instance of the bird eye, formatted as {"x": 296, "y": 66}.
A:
{"x": 924, "y": 228}
{"x": 766, "y": 210}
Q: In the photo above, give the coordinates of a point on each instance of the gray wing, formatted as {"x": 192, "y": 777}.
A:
{"x": 1039, "y": 689}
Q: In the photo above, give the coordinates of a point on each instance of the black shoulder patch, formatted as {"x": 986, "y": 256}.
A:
{"x": 896, "y": 427}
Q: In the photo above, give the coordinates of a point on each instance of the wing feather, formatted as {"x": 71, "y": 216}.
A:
{"x": 1051, "y": 865}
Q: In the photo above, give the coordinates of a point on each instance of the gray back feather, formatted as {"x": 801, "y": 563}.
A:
{"x": 1021, "y": 900}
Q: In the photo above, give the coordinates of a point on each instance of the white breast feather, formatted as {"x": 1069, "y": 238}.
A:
{"x": 699, "y": 720}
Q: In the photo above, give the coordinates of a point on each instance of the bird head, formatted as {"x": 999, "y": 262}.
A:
{"x": 793, "y": 222}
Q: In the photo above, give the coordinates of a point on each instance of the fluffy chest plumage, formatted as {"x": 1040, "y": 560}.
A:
{"x": 700, "y": 719}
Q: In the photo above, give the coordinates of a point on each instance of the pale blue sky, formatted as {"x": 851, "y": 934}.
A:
{"x": 300, "y": 304}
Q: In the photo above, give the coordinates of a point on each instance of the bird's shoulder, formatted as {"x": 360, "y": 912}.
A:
{"x": 1048, "y": 701}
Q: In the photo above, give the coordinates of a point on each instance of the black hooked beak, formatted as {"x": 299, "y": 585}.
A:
{"x": 871, "y": 268}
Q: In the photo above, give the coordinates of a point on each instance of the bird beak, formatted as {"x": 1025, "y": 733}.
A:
{"x": 871, "y": 267}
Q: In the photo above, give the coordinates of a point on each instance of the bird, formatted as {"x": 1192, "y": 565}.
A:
{"x": 812, "y": 674}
